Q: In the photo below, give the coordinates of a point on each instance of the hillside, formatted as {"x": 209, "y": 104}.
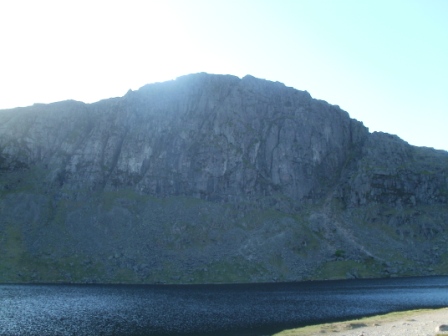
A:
{"x": 212, "y": 178}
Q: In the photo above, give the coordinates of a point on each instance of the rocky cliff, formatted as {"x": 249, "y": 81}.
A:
{"x": 212, "y": 178}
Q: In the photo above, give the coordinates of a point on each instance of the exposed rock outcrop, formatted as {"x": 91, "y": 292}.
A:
{"x": 214, "y": 178}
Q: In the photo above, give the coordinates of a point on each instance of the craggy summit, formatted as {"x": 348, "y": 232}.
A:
{"x": 213, "y": 178}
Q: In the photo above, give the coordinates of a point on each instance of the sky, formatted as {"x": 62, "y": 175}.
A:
{"x": 385, "y": 62}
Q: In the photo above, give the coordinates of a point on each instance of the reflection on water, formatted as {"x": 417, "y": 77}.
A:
{"x": 255, "y": 309}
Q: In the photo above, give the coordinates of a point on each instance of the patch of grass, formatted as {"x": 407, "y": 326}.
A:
{"x": 276, "y": 260}
{"x": 29, "y": 268}
{"x": 237, "y": 270}
{"x": 339, "y": 254}
{"x": 125, "y": 275}
{"x": 14, "y": 182}
{"x": 341, "y": 268}
{"x": 13, "y": 246}
{"x": 18, "y": 265}
{"x": 66, "y": 269}
{"x": 442, "y": 268}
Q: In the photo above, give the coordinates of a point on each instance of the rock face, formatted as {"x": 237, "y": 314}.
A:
{"x": 213, "y": 178}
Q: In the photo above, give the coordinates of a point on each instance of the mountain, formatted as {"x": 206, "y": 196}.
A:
{"x": 213, "y": 178}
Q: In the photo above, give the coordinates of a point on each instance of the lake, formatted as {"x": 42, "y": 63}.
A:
{"x": 203, "y": 310}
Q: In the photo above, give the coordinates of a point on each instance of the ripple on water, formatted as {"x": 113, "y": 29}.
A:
{"x": 200, "y": 310}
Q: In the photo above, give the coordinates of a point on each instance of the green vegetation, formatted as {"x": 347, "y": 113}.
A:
{"x": 12, "y": 245}
{"x": 237, "y": 270}
{"x": 125, "y": 275}
{"x": 18, "y": 265}
{"x": 21, "y": 180}
{"x": 442, "y": 268}
{"x": 192, "y": 226}
{"x": 339, "y": 254}
{"x": 341, "y": 269}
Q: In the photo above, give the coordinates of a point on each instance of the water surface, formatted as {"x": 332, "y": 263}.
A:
{"x": 245, "y": 309}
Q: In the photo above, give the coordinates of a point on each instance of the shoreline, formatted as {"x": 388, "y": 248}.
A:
{"x": 410, "y": 323}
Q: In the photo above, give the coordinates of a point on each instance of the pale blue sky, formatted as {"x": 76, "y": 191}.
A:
{"x": 383, "y": 61}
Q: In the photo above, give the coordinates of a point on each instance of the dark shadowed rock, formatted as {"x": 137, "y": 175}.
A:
{"x": 212, "y": 178}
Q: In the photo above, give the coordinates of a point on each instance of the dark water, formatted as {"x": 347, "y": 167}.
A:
{"x": 260, "y": 309}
